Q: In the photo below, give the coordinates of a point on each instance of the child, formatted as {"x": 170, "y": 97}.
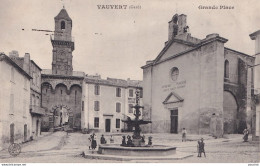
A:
{"x": 201, "y": 148}
{"x": 184, "y": 132}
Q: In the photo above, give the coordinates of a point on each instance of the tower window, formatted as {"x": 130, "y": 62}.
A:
{"x": 226, "y": 70}
{"x": 62, "y": 25}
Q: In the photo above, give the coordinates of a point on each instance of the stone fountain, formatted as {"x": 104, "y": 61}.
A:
{"x": 137, "y": 140}
{"x": 135, "y": 147}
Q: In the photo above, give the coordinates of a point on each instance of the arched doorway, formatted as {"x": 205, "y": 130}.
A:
{"x": 229, "y": 113}
{"x": 62, "y": 116}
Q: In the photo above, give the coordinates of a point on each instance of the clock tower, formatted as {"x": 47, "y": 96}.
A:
{"x": 62, "y": 44}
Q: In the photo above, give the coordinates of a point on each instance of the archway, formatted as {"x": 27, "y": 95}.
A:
{"x": 62, "y": 115}
{"x": 229, "y": 113}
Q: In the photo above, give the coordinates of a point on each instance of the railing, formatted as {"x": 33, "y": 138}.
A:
{"x": 74, "y": 73}
{"x": 37, "y": 110}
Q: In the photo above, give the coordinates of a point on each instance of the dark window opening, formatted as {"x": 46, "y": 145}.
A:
{"x": 62, "y": 25}
{"x": 118, "y": 92}
{"x": 96, "y": 122}
{"x": 96, "y": 105}
{"x": 117, "y": 123}
{"x": 226, "y": 70}
{"x": 97, "y": 89}
{"x": 118, "y": 107}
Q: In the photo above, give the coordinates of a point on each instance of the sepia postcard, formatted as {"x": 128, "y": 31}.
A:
{"x": 129, "y": 81}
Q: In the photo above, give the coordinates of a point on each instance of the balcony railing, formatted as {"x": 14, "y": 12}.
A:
{"x": 35, "y": 109}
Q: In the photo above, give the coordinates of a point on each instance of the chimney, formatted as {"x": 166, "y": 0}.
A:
{"x": 26, "y": 63}
{"x": 14, "y": 54}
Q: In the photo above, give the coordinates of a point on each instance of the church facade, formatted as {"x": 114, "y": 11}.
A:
{"x": 197, "y": 84}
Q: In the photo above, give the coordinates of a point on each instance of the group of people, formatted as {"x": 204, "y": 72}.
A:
{"x": 93, "y": 140}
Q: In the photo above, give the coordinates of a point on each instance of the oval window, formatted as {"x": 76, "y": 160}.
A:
{"x": 174, "y": 73}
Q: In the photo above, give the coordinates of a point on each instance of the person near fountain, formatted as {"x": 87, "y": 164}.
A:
{"x": 90, "y": 142}
{"x": 129, "y": 141}
{"x": 184, "y": 133}
{"x": 150, "y": 140}
{"x": 93, "y": 141}
{"x": 103, "y": 140}
{"x": 111, "y": 139}
{"x": 123, "y": 141}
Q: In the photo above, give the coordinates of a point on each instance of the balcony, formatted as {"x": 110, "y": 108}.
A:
{"x": 35, "y": 109}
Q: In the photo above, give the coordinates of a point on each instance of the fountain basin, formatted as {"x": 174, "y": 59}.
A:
{"x": 155, "y": 150}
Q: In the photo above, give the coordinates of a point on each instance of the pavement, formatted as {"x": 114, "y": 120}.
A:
{"x": 58, "y": 147}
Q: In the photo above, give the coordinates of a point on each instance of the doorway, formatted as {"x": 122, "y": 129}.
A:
{"x": 174, "y": 121}
{"x": 108, "y": 124}
{"x": 25, "y": 132}
{"x": 12, "y": 133}
{"x": 37, "y": 128}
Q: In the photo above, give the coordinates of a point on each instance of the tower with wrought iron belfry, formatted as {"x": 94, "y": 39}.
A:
{"x": 62, "y": 44}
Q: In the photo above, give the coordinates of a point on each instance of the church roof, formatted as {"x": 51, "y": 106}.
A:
{"x": 63, "y": 15}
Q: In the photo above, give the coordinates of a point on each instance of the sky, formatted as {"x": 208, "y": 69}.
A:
{"x": 115, "y": 43}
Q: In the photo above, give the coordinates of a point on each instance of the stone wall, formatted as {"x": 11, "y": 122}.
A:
{"x": 60, "y": 93}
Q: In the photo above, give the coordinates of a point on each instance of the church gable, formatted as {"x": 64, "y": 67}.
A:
{"x": 173, "y": 98}
{"x": 173, "y": 49}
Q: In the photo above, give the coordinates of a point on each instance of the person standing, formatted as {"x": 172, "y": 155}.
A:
{"x": 90, "y": 142}
{"x": 201, "y": 148}
{"x": 184, "y": 132}
{"x": 103, "y": 140}
{"x": 93, "y": 141}
{"x": 246, "y": 133}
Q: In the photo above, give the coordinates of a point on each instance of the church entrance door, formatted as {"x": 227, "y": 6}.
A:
{"x": 108, "y": 123}
{"x": 174, "y": 121}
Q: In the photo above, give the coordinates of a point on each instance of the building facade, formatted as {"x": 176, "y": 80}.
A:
{"x": 197, "y": 84}
{"x": 108, "y": 102}
{"x": 36, "y": 110}
{"x": 256, "y": 113}
{"x": 62, "y": 87}
{"x": 15, "y": 119}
